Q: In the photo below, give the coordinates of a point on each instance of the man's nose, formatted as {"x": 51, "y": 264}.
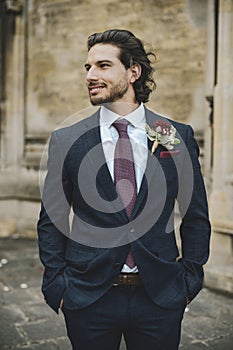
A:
{"x": 92, "y": 74}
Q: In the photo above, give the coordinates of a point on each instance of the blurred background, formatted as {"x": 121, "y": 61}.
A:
{"x": 42, "y": 53}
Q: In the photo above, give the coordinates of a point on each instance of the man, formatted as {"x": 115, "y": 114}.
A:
{"x": 121, "y": 170}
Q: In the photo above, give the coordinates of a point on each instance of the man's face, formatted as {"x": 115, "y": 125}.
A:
{"x": 107, "y": 78}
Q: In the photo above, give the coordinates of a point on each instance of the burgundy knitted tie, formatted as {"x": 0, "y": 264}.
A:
{"x": 124, "y": 174}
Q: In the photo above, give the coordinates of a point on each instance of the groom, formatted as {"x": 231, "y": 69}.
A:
{"x": 118, "y": 270}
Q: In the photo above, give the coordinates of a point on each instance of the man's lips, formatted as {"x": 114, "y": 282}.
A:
{"x": 94, "y": 89}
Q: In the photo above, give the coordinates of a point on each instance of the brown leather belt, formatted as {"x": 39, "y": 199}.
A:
{"x": 128, "y": 279}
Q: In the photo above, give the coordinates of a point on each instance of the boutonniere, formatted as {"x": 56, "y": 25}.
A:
{"x": 162, "y": 133}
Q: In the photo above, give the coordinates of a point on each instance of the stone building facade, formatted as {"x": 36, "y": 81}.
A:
{"x": 43, "y": 49}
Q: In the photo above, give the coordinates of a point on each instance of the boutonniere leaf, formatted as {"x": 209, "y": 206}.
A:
{"x": 162, "y": 133}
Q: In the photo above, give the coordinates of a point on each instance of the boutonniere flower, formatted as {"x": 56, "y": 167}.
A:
{"x": 162, "y": 133}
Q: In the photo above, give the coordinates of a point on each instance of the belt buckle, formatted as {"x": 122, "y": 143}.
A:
{"x": 125, "y": 279}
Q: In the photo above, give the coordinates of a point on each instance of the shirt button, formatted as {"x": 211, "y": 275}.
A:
{"x": 132, "y": 230}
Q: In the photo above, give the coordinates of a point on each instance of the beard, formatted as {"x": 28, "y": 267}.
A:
{"x": 115, "y": 94}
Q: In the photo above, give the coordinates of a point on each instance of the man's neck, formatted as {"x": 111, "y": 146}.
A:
{"x": 121, "y": 108}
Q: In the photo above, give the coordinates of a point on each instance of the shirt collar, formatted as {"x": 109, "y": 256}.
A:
{"x": 136, "y": 118}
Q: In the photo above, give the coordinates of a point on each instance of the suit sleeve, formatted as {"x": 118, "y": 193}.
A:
{"x": 53, "y": 225}
{"x": 195, "y": 226}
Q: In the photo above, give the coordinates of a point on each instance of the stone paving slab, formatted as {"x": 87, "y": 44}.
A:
{"x": 28, "y": 323}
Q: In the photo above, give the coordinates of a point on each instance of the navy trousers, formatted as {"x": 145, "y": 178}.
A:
{"x": 127, "y": 311}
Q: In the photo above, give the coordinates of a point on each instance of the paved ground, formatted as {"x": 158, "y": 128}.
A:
{"x": 27, "y": 323}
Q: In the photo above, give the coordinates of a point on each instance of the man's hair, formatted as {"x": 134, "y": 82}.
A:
{"x": 131, "y": 52}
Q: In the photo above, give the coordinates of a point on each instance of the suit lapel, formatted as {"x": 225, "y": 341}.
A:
{"x": 150, "y": 119}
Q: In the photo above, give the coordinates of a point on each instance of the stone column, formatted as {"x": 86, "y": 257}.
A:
{"x": 15, "y": 101}
{"x": 12, "y": 132}
{"x": 210, "y": 77}
{"x": 219, "y": 270}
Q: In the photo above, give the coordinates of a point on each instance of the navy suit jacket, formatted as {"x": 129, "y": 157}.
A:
{"x": 82, "y": 263}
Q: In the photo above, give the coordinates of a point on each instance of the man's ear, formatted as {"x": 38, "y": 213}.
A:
{"x": 136, "y": 71}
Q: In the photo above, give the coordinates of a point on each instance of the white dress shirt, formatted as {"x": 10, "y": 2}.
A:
{"x": 138, "y": 139}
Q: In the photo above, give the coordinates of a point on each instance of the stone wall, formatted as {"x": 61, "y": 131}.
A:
{"x": 57, "y": 34}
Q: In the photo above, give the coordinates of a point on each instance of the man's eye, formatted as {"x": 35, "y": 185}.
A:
{"x": 104, "y": 65}
{"x": 87, "y": 68}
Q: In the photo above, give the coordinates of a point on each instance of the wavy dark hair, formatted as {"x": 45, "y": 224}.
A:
{"x": 131, "y": 51}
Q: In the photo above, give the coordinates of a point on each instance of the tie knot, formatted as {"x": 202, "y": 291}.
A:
{"x": 121, "y": 127}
